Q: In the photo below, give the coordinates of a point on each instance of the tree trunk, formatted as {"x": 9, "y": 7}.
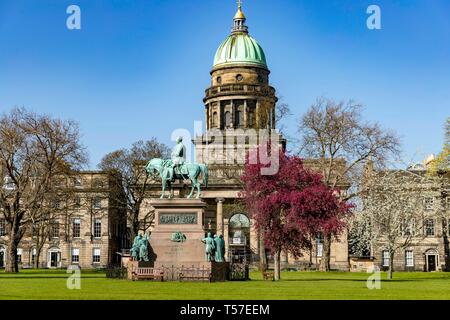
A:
{"x": 391, "y": 265}
{"x": 11, "y": 261}
{"x": 36, "y": 261}
{"x": 36, "y": 258}
{"x": 326, "y": 252}
{"x": 277, "y": 263}
{"x": 262, "y": 253}
{"x": 445, "y": 232}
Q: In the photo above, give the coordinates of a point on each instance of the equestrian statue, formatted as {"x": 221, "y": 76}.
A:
{"x": 176, "y": 168}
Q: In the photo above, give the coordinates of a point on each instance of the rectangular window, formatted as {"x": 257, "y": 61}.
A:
{"x": 319, "y": 249}
{"x": 98, "y": 183}
{"x": 96, "y": 255}
{"x": 97, "y": 204}
{"x": 319, "y": 245}
{"x": 76, "y": 228}
{"x": 8, "y": 183}
{"x": 386, "y": 258}
{"x": 428, "y": 203}
{"x": 19, "y": 255}
{"x": 2, "y": 227}
{"x": 54, "y": 232}
{"x": 75, "y": 255}
{"x": 77, "y": 182}
{"x": 429, "y": 227}
{"x": 408, "y": 228}
{"x": 56, "y": 204}
{"x": 97, "y": 228}
{"x": 409, "y": 258}
{"x": 77, "y": 202}
{"x": 33, "y": 255}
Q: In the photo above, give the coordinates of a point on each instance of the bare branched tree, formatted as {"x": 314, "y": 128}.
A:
{"x": 130, "y": 164}
{"x": 338, "y": 141}
{"x": 34, "y": 150}
{"x": 392, "y": 217}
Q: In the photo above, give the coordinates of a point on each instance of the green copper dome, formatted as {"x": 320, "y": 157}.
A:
{"x": 240, "y": 48}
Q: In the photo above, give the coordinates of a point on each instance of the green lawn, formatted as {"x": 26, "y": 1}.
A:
{"x": 45, "y": 284}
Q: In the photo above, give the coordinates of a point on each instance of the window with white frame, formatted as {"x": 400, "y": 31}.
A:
{"x": 319, "y": 245}
{"x": 428, "y": 203}
{"x": 319, "y": 249}
{"x": 19, "y": 255}
{"x": 75, "y": 255}
{"x": 96, "y": 255}
{"x": 409, "y": 258}
{"x": 97, "y": 228}
{"x": 77, "y": 182}
{"x": 77, "y": 202}
{"x": 385, "y": 258}
{"x": 2, "y": 227}
{"x": 408, "y": 227}
{"x": 76, "y": 228}
{"x": 54, "y": 231}
{"x": 33, "y": 255}
{"x": 97, "y": 203}
{"x": 8, "y": 183}
{"x": 429, "y": 227}
{"x": 56, "y": 204}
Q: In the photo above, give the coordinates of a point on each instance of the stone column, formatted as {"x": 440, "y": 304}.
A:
{"x": 208, "y": 117}
{"x": 245, "y": 115}
{"x": 225, "y": 238}
{"x": 273, "y": 119}
{"x": 256, "y": 117}
{"x": 219, "y": 216}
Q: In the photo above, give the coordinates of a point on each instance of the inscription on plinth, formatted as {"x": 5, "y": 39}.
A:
{"x": 178, "y": 218}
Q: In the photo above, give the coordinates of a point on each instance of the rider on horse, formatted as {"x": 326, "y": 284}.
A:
{"x": 178, "y": 158}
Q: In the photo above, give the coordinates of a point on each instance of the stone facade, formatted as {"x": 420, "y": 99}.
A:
{"x": 428, "y": 249}
{"x": 89, "y": 226}
{"x": 238, "y": 104}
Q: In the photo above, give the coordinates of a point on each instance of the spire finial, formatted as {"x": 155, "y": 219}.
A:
{"x": 239, "y": 19}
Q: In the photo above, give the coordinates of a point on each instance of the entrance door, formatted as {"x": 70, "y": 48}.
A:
{"x": 431, "y": 262}
{"x": 54, "y": 259}
{"x": 2, "y": 259}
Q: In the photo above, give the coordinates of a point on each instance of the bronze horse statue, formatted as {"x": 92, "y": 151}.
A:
{"x": 193, "y": 171}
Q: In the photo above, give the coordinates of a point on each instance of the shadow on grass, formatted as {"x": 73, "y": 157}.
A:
{"x": 47, "y": 277}
{"x": 337, "y": 279}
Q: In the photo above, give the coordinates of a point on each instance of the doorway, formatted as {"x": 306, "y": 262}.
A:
{"x": 431, "y": 262}
{"x": 53, "y": 259}
{"x": 2, "y": 258}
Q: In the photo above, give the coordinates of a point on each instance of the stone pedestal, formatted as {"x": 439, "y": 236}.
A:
{"x": 184, "y": 216}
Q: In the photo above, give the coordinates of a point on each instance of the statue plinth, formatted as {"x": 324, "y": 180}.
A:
{"x": 177, "y": 234}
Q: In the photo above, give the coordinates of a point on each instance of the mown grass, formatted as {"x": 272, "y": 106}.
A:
{"x": 51, "y": 285}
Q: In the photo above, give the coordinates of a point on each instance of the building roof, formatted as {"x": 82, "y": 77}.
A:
{"x": 239, "y": 47}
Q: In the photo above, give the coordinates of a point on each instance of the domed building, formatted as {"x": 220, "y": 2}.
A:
{"x": 240, "y": 96}
{"x": 240, "y": 106}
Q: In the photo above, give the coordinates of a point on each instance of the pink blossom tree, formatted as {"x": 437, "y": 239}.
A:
{"x": 291, "y": 206}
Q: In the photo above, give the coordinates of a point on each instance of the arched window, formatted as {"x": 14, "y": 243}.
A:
{"x": 239, "y": 221}
{"x": 239, "y": 228}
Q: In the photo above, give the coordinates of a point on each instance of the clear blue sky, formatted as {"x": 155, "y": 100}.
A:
{"x": 139, "y": 68}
